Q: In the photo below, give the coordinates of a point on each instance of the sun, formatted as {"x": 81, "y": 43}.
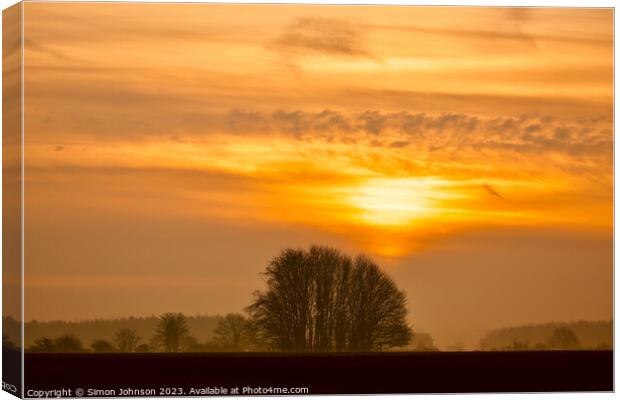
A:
{"x": 395, "y": 201}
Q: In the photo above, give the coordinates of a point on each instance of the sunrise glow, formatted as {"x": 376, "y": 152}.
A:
{"x": 466, "y": 148}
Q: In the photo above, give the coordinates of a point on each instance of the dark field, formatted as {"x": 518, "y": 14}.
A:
{"x": 327, "y": 373}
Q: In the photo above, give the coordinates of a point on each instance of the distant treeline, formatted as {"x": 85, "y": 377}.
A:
{"x": 200, "y": 326}
{"x": 588, "y": 335}
{"x": 202, "y": 336}
{"x": 171, "y": 333}
{"x": 203, "y": 333}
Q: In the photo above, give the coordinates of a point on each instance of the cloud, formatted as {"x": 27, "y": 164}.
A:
{"x": 512, "y": 28}
{"x": 370, "y": 121}
{"x": 399, "y": 144}
{"x": 562, "y": 133}
{"x": 477, "y": 104}
{"x": 33, "y": 45}
{"x": 520, "y": 17}
{"x": 373, "y": 121}
{"x": 299, "y": 122}
{"x": 240, "y": 120}
{"x": 323, "y": 36}
{"x": 525, "y": 134}
{"x": 533, "y": 128}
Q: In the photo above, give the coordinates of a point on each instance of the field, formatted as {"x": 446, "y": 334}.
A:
{"x": 323, "y": 373}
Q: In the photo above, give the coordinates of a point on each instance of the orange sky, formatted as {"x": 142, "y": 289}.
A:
{"x": 464, "y": 148}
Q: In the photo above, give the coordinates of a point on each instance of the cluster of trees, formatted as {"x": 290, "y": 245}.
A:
{"x": 171, "y": 335}
{"x": 321, "y": 300}
{"x": 547, "y": 336}
{"x": 317, "y": 300}
{"x": 562, "y": 338}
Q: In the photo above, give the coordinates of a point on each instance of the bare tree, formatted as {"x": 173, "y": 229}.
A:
{"x": 127, "y": 340}
{"x": 63, "y": 344}
{"x": 282, "y": 311}
{"x": 320, "y": 300}
{"x": 233, "y": 333}
{"x": 171, "y": 332}
{"x": 68, "y": 344}
{"x": 376, "y": 309}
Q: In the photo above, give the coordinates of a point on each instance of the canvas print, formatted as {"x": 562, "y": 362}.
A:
{"x": 252, "y": 199}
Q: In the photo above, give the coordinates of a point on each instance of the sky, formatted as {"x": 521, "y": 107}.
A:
{"x": 173, "y": 149}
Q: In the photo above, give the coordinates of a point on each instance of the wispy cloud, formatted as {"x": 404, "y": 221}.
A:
{"x": 323, "y": 36}
{"x": 523, "y": 133}
{"x": 514, "y": 28}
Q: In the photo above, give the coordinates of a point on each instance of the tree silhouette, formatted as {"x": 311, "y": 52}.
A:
{"x": 143, "y": 348}
{"x": 233, "y": 333}
{"x": 422, "y": 342}
{"x": 7, "y": 342}
{"x": 376, "y": 308}
{"x": 62, "y": 344}
{"x": 322, "y": 300}
{"x": 43, "y": 345}
{"x": 519, "y": 346}
{"x": 563, "y": 338}
{"x": 127, "y": 340}
{"x": 541, "y": 346}
{"x": 68, "y": 344}
{"x": 102, "y": 346}
{"x": 191, "y": 344}
{"x": 171, "y": 332}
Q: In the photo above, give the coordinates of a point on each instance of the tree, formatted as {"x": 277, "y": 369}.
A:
{"x": 191, "y": 344}
{"x": 322, "y": 300}
{"x": 563, "y": 338}
{"x": 143, "y": 348}
{"x": 422, "y": 342}
{"x": 102, "y": 346}
{"x": 63, "y": 344}
{"x": 127, "y": 340}
{"x": 171, "y": 332}
{"x": 233, "y": 333}
{"x": 377, "y": 309}
{"x": 7, "y": 342}
{"x": 43, "y": 345}
{"x": 68, "y": 344}
{"x": 519, "y": 346}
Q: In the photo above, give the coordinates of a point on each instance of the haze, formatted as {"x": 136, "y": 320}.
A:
{"x": 173, "y": 149}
